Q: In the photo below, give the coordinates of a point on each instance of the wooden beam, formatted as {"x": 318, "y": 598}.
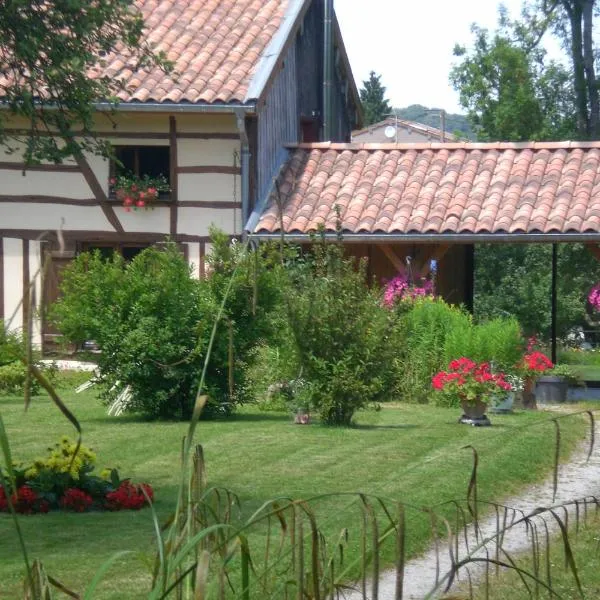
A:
{"x": 74, "y": 235}
{"x": 437, "y": 255}
{"x": 393, "y": 258}
{"x": 21, "y": 166}
{"x": 1, "y": 279}
{"x": 200, "y": 169}
{"x": 142, "y": 135}
{"x": 33, "y": 199}
{"x": 209, "y": 204}
{"x": 98, "y": 192}
{"x": 26, "y": 291}
{"x": 554, "y": 301}
{"x": 173, "y": 174}
{"x": 201, "y": 265}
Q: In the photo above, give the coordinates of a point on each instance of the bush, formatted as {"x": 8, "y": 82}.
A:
{"x": 149, "y": 320}
{"x": 340, "y": 331}
{"x": 153, "y": 321}
{"x": 498, "y": 341}
{"x": 252, "y": 314}
{"x": 271, "y": 376}
{"x": 12, "y": 380}
{"x": 422, "y": 330}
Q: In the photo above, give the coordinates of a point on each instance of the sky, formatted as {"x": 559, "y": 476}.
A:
{"x": 409, "y": 43}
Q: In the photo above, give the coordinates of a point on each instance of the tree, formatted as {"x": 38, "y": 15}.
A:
{"x": 47, "y": 48}
{"x": 508, "y": 74}
{"x": 372, "y": 96}
{"x": 510, "y": 90}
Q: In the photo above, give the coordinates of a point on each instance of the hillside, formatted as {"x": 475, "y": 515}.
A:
{"x": 421, "y": 114}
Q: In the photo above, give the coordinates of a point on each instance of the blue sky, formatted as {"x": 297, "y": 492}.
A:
{"x": 410, "y": 43}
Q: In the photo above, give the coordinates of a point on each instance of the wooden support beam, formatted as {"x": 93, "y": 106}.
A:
{"x": 173, "y": 175}
{"x": 98, "y": 192}
{"x": 437, "y": 255}
{"x": 393, "y": 258}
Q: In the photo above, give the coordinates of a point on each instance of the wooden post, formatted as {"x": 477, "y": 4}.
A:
{"x": 554, "y": 300}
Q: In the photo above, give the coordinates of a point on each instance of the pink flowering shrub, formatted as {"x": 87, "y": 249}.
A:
{"x": 594, "y": 297}
{"x": 467, "y": 380}
{"x": 400, "y": 288}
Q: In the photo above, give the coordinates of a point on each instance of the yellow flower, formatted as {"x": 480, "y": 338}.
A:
{"x": 105, "y": 474}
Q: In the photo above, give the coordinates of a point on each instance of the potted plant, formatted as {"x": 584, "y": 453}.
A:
{"x": 533, "y": 364}
{"x": 473, "y": 386}
{"x": 138, "y": 192}
{"x": 552, "y": 387}
{"x": 505, "y": 400}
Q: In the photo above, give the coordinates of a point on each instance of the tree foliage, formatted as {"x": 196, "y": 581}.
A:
{"x": 509, "y": 88}
{"x": 515, "y": 280}
{"x": 372, "y": 95}
{"x": 47, "y": 49}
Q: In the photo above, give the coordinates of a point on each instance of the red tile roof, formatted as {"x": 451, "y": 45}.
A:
{"x": 215, "y": 45}
{"x": 453, "y": 188}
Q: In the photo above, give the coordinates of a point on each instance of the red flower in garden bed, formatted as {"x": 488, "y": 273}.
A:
{"x": 76, "y": 500}
{"x": 129, "y": 496}
{"x": 537, "y": 361}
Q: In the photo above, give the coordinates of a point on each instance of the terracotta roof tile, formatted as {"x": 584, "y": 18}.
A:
{"x": 215, "y": 46}
{"x": 440, "y": 188}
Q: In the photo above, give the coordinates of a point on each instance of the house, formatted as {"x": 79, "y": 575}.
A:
{"x": 400, "y": 131}
{"x": 250, "y": 76}
{"x": 435, "y": 201}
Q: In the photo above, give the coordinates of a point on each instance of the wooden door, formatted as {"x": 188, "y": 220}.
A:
{"x": 54, "y": 264}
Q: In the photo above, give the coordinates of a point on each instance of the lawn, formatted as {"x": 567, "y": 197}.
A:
{"x": 409, "y": 452}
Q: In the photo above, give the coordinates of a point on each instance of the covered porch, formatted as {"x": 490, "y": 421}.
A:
{"x": 435, "y": 202}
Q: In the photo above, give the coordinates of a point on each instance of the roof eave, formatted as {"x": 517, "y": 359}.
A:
{"x": 172, "y": 107}
{"x": 436, "y": 238}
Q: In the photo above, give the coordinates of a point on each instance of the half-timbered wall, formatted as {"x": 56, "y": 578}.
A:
{"x": 73, "y": 198}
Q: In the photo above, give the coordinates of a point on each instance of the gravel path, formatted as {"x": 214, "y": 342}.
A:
{"x": 577, "y": 479}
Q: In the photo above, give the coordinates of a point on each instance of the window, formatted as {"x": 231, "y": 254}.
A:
{"x": 138, "y": 170}
{"x": 152, "y": 161}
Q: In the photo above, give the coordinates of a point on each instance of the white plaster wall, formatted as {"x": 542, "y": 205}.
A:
{"x": 194, "y": 258}
{"x": 197, "y": 221}
{"x": 211, "y": 187}
{"x": 155, "y": 220}
{"x": 207, "y": 152}
{"x": 49, "y": 217}
{"x": 38, "y": 183}
{"x": 13, "y": 283}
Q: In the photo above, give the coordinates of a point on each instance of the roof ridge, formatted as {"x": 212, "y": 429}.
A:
{"x": 567, "y": 145}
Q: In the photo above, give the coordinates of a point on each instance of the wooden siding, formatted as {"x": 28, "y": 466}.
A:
{"x": 454, "y": 273}
{"x": 278, "y": 123}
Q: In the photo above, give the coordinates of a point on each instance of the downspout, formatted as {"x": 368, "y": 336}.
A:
{"x": 245, "y": 168}
{"x": 327, "y": 70}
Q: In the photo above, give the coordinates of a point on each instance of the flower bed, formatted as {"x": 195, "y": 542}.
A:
{"x": 64, "y": 480}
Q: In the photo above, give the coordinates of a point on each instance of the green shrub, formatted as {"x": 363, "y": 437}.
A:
{"x": 12, "y": 380}
{"x": 252, "y": 314}
{"x": 153, "y": 320}
{"x": 271, "y": 375}
{"x": 147, "y": 317}
{"x": 421, "y": 333}
{"x": 498, "y": 341}
{"x": 340, "y": 330}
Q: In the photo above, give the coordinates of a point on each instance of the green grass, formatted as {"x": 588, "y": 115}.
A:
{"x": 408, "y": 452}
{"x": 587, "y": 372}
{"x": 585, "y": 547}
